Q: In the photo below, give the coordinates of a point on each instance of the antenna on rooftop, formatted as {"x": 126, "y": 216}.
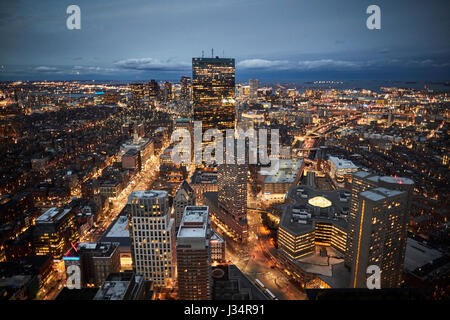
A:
{"x": 203, "y": 54}
{"x": 212, "y": 52}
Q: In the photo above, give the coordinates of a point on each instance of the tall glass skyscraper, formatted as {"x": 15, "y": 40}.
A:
{"x": 213, "y": 92}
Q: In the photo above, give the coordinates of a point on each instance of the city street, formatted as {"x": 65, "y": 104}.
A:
{"x": 259, "y": 262}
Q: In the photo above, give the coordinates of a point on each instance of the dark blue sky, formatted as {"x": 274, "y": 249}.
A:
{"x": 270, "y": 39}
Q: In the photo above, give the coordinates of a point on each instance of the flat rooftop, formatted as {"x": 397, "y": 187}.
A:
{"x": 378, "y": 194}
{"x": 342, "y": 163}
{"x": 149, "y": 194}
{"x": 418, "y": 255}
{"x": 287, "y": 172}
{"x": 118, "y": 232}
{"x": 204, "y": 177}
{"x": 194, "y": 222}
{"x": 52, "y": 215}
{"x": 326, "y": 206}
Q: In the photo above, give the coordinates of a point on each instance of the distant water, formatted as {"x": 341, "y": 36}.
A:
{"x": 373, "y": 85}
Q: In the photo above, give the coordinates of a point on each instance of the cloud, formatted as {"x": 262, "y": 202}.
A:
{"x": 151, "y": 64}
{"x": 326, "y": 64}
{"x": 264, "y": 64}
{"x": 47, "y": 69}
{"x": 75, "y": 70}
{"x": 296, "y": 65}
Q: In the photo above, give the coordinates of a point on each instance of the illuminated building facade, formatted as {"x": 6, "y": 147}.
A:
{"x": 194, "y": 255}
{"x": 152, "y": 234}
{"x": 96, "y": 261}
{"x": 186, "y": 88}
{"x": 341, "y": 169}
{"x": 213, "y": 92}
{"x": 183, "y": 197}
{"x": 313, "y": 218}
{"x": 168, "y": 91}
{"x": 55, "y": 231}
{"x": 153, "y": 90}
{"x": 380, "y": 219}
{"x": 217, "y": 248}
{"x": 203, "y": 180}
{"x": 253, "y": 94}
{"x": 232, "y": 199}
{"x": 137, "y": 92}
{"x": 289, "y": 173}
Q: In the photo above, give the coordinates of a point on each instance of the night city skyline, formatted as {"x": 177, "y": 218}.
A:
{"x": 217, "y": 158}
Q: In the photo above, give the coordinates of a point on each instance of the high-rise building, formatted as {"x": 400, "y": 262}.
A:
{"x": 232, "y": 198}
{"x": 54, "y": 232}
{"x": 194, "y": 255}
{"x": 186, "y": 88}
{"x": 96, "y": 261}
{"x": 213, "y": 92}
{"x": 168, "y": 91}
{"x": 377, "y": 229}
{"x": 137, "y": 92}
{"x": 152, "y": 234}
{"x": 153, "y": 89}
{"x": 253, "y": 89}
{"x": 184, "y": 196}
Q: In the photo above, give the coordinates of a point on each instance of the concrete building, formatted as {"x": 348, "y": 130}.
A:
{"x": 203, "y": 180}
{"x": 131, "y": 160}
{"x": 194, "y": 255}
{"x": 378, "y": 223}
{"x": 118, "y": 232}
{"x": 276, "y": 186}
{"x": 125, "y": 286}
{"x": 54, "y": 232}
{"x": 313, "y": 218}
{"x": 218, "y": 247}
{"x": 253, "y": 94}
{"x": 183, "y": 197}
{"x": 232, "y": 199}
{"x": 152, "y": 233}
{"x": 96, "y": 261}
{"x": 341, "y": 170}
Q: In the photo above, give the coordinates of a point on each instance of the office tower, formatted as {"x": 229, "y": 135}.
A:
{"x": 377, "y": 227}
{"x": 253, "y": 89}
{"x": 137, "y": 92}
{"x": 152, "y": 234}
{"x": 213, "y": 92}
{"x": 153, "y": 90}
{"x": 55, "y": 231}
{"x": 125, "y": 286}
{"x": 184, "y": 196}
{"x": 186, "y": 88}
{"x": 232, "y": 198}
{"x": 96, "y": 261}
{"x": 168, "y": 92}
{"x": 194, "y": 255}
